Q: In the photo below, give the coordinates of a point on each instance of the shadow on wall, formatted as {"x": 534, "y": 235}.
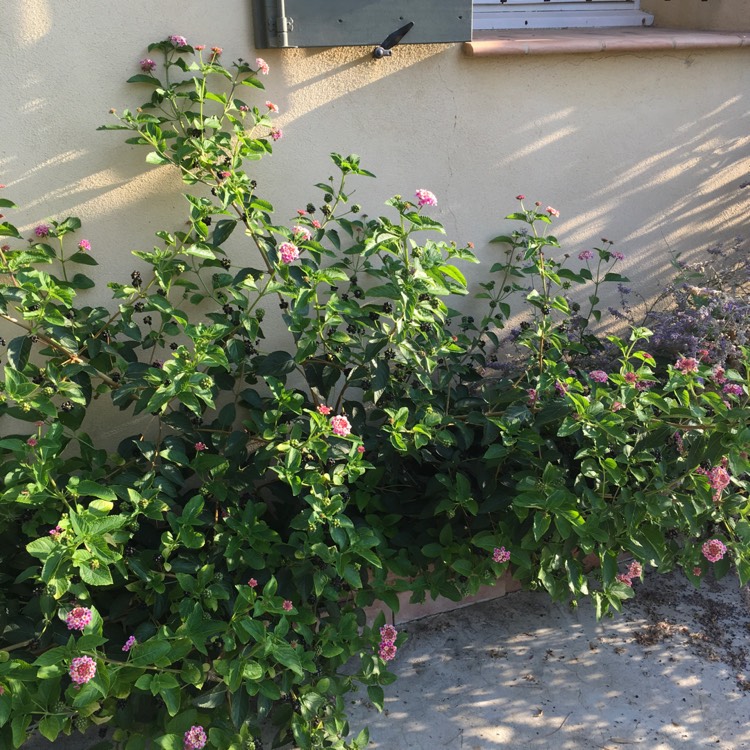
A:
{"x": 646, "y": 150}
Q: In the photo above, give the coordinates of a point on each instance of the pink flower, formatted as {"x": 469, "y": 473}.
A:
{"x": 520, "y": 197}
{"x": 42, "y": 231}
{"x": 623, "y": 578}
{"x": 252, "y": 583}
{"x": 200, "y": 446}
{"x": 277, "y": 134}
{"x": 585, "y": 255}
{"x": 244, "y": 108}
{"x": 533, "y": 396}
{"x": 388, "y": 633}
{"x": 500, "y": 555}
{"x": 732, "y": 389}
{"x": 82, "y": 669}
{"x": 78, "y": 618}
{"x": 360, "y": 449}
{"x": 178, "y": 41}
{"x": 561, "y": 388}
{"x": 617, "y": 255}
{"x": 719, "y": 373}
{"x": 324, "y": 410}
{"x": 54, "y": 533}
{"x": 552, "y": 211}
{"x": 216, "y": 52}
{"x": 195, "y": 738}
{"x": 686, "y": 364}
{"x": 84, "y": 246}
{"x": 387, "y": 651}
{"x": 426, "y": 198}
{"x": 129, "y": 643}
{"x": 631, "y": 377}
{"x": 224, "y": 174}
{"x": 598, "y": 376}
{"x": 301, "y": 234}
{"x": 262, "y": 66}
{"x": 340, "y": 426}
{"x": 718, "y": 478}
{"x": 288, "y": 252}
{"x": 301, "y": 212}
{"x": 697, "y": 571}
{"x": 147, "y": 64}
{"x": 31, "y": 441}
{"x": 316, "y": 223}
{"x": 635, "y": 569}
{"x": 714, "y": 550}
{"x": 200, "y": 47}
{"x": 617, "y": 405}
{"x": 287, "y": 606}
{"x": 678, "y": 441}
{"x": 272, "y": 107}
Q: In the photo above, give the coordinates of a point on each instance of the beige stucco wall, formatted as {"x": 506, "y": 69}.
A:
{"x": 647, "y": 149}
{"x": 723, "y": 15}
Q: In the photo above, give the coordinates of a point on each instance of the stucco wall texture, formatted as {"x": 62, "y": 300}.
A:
{"x": 645, "y": 149}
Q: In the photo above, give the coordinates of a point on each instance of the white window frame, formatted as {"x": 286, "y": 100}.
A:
{"x": 558, "y": 14}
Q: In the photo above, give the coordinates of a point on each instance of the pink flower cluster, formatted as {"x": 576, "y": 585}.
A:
{"x": 287, "y": 606}
{"x": 714, "y": 550}
{"x": 56, "y": 532}
{"x": 598, "y": 376}
{"x": 195, "y": 738}
{"x": 324, "y": 410}
{"x": 387, "y": 647}
{"x": 635, "y": 570}
{"x": 42, "y": 231}
{"x": 340, "y": 425}
{"x": 686, "y": 365}
{"x": 500, "y": 555}
{"x": 552, "y": 211}
{"x": 288, "y": 252}
{"x": 272, "y": 107}
{"x": 426, "y": 198}
{"x": 82, "y": 669}
{"x": 301, "y": 234}
{"x": 147, "y": 64}
{"x": 585, "y": 255}
{"x": 178, "y": 41}
{"x": 84, "y": 246}
{"x": 78, "y": 618}
{"x": 262, "y": 66}
{"x": 129, "y": 643}
{"x": 718, "y": 477}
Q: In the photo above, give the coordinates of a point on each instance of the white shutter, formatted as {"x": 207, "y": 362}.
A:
{"x": 558, "y": 14}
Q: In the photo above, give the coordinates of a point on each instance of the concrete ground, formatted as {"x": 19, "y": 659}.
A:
{"x": 521, "y": 672}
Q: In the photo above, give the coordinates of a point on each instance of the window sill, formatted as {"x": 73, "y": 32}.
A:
{"x": 492, "y": 43}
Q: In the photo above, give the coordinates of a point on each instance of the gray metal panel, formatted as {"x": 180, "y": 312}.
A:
{"x": 343, "y": 23}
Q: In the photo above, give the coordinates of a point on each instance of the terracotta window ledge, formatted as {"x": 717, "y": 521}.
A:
{"x": 492, "y": 43}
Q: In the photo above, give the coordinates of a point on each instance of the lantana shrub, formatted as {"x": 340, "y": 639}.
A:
{"x": 205, "y": 584}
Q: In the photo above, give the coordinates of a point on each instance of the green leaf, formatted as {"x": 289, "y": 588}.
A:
{"x": 376, "y": 695}
{"x": 222, "y": 231}
{"x": 154, "y": 158}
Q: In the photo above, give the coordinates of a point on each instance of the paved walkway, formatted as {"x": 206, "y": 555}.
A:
{"x": 521, "y": 672}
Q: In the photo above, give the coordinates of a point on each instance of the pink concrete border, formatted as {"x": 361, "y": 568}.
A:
{"x": 619, "y": 39}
